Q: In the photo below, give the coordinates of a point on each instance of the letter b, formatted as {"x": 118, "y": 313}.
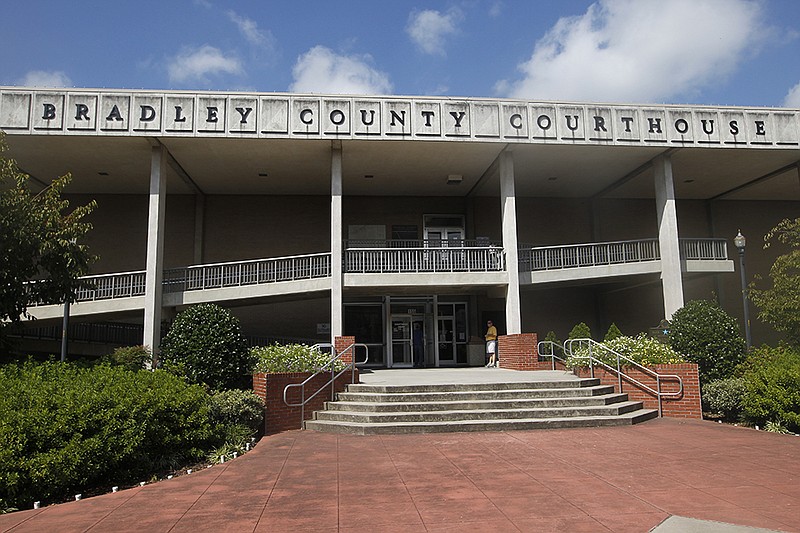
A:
{"x": 49, "y": 112}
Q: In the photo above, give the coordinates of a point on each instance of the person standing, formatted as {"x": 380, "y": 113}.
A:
{"x": 491, "y": 344}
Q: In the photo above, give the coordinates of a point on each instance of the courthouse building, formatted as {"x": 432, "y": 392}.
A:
{"x": 315, "y": 216}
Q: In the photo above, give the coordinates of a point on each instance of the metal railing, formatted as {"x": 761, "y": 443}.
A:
{"x": 251, "y": 272}
{"x": 442, "y": 258}
{"x": 110, "y": 286}
{"x": 330, "y": 366}
{"x": 587, "y": 348}
{"x": 118, "y": 334}
{"x": 588, "y": 254}
{"x": 704, "y": 249}
{"x": 613, "y": 253}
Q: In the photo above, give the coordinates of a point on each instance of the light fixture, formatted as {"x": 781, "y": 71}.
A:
{"x": 740, "y": 242}
{"x": 454, "y": 179}
{"x": 263, "y": 174}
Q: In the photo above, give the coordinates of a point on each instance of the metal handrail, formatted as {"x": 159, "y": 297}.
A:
{"x": 552, "y": 352}
{"x": 334, "y": 375}
{"x": 428, "y": 259}
{"x": 568, "y": 350}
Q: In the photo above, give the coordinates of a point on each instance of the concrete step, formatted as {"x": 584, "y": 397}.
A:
{"x": 615, "y": 409}
{"x": 458, "y": 387}
{"x": 332, "y": 426}
{"x": 449, "y": 405}
{"x": 470, "y": 395}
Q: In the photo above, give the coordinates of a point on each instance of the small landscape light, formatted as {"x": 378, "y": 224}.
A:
{"x": 37, "y": 505}
{"x": 78, "y": 497}
{"x": 189, "y": 471}
{"x": 141, "y": 483}
{"x": 235, "y": 455}
{"x": 221, "y": 458}
{"x": 169, "y": 476}
{"x": 114, "y": 489}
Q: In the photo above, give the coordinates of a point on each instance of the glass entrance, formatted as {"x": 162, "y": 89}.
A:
{"x": 402, "y": 344}
{"x": 452, "y": 331}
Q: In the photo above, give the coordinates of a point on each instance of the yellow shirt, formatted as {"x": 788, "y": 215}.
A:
{"x": 491, "y": 334}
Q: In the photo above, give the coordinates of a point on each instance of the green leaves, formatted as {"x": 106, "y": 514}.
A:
{"x": 279, "y": 358}
{"x": 40, "y": 240}
{"x": 66, "y": 428}
{"x": 205, "y": 344}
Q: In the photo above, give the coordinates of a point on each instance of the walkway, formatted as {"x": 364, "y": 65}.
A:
{"x": 600, "y": 479}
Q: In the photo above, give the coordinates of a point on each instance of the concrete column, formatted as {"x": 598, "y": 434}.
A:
{"x": 671, "y": 280}
{"x": 337, "y": 281}
{"x": 509, "y": 214}
{"x": 199, "y": 227}
{"x": 155, "y": 250}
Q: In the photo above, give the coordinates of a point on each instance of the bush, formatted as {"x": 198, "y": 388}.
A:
{"x": 641, "y": 349}
{"x": 773, "y": 388}
{"x": 278, "y": 358}
{"x": 724, "y": 397}
{"x": 612, "y": 333}
{"x": 66, "y": 428}
{"x": 236, "y": 407}
{"x": 129, "y": 357}
{"x": 708, "y": 336}
{"x": 580, "y": 331}
{"x": 205, "y": 344}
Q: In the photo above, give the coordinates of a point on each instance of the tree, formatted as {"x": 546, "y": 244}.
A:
{"x": 205, "y": 344}
{"x": 40, "y": 240}
{"x": 580, "y": 331}
{"x": 780, "y": 305}
{"x": 612, "y": 333}
{"x": 708, "y": 336}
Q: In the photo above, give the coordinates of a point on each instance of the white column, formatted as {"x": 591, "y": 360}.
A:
{"x": 509, "y": 221}
{"x": 155, "y": 250}
{"x": 671, "y": 279}
{"x": 337, "y": 322}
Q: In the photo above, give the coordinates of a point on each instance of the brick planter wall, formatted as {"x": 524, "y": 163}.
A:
{"x": 280, "y": 417}
{"x": 518, "y": 351}
{"x": 688, "y": 406}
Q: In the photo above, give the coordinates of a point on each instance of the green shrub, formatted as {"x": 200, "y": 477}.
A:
{"x": 291, "y": 358}
{"x": 641, "y": 349}
{"x": 708, "y": 336}
{"x": 205, "y": 344}
{"x": 773, "y": 389}
{"x": 612, "y": 333}
{"x": 129, "y": 357}
{"x": 724, "y": 397}
{"x": 236, "y": 407}
{"x": 66, "y": 428}
{"x": 580, "y": 331}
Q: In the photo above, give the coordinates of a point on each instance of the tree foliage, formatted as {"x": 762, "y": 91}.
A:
{"x": 780, "y": 304}
{"x": 205, "y": 344}
{"x": 708, "y": 336}
{"x": 41, "y": 240}
{"x": 580, "y": 331}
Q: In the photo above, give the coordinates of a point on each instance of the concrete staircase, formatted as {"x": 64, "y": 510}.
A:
{"x": 438, "y": 408}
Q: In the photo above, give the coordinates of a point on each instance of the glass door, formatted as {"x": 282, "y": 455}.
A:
{"x": 452, "y": 333}
{"x": 402, "y": 343}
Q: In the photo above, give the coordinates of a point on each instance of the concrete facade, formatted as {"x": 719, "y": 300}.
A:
{"x": 461, "y": 197}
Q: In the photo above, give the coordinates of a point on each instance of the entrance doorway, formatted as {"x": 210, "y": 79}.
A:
{"x": 402, "y": 342}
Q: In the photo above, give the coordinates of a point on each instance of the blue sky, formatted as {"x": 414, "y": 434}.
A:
{"x": 719, "y": 52}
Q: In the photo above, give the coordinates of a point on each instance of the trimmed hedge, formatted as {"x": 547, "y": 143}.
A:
{"x": 772, "y": 377}
{"x": 65, "y": 428}
{"x": 278, "y": 358}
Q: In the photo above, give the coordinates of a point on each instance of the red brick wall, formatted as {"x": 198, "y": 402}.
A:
{"x": 342, "y": 343}
{"x": 280, "y": 417}
{"x": 518, "y": 351}
{"x": 687, "y": 406}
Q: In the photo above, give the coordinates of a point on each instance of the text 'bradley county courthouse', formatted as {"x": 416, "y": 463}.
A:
{"x": 313, "y": 216}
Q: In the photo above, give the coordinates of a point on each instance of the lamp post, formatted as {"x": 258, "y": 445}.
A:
{"x": 740, "y": 243}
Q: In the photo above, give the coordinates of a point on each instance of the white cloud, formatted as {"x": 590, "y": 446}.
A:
{"x": 41, "y": 78}
{"x": 793, "y": 97}
{"x": 639, "y": 50}
{"x": 429, "y": 29}
{"x": 196, "y": 64}
{"x": 320, "y": 70}
{"x": 249, "y": 29}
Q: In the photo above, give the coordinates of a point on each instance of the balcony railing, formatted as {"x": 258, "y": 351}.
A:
{"x": 586, "y": 255}
{"x": 412, "y": 256}
{"x": 241, "y": 273}
{"x": 704, "y": 249}
{"x": 613, "y": 253}
{"x": 111, "y": 286}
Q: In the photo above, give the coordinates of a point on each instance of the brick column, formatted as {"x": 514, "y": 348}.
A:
{"x": 343, "y": 342}
{"x": 518, "y": 351}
